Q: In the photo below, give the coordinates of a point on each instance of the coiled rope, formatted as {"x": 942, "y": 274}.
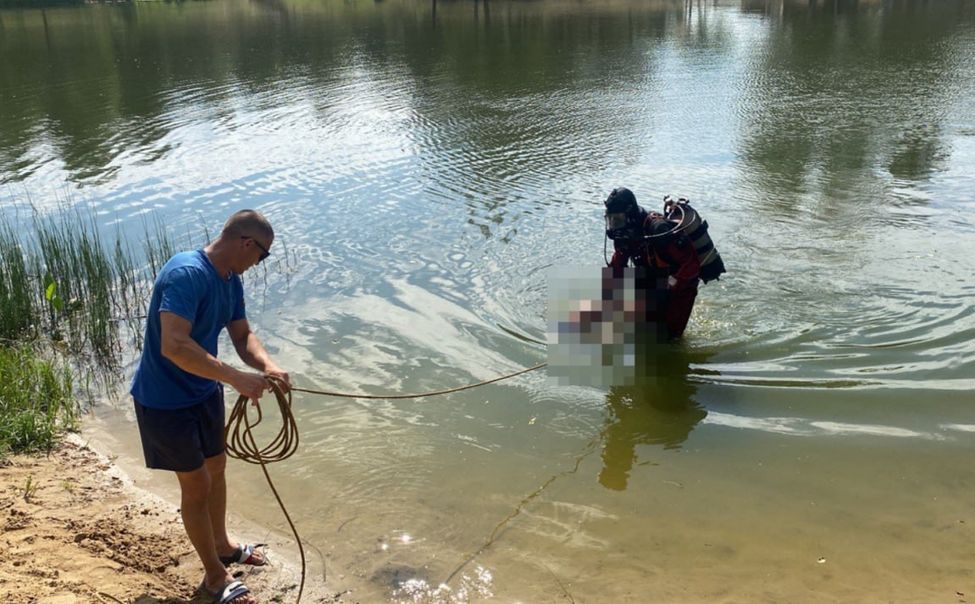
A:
{"x": 242, "y": 445}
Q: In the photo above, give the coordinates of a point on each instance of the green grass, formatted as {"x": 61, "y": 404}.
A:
{"x": 158, "y": 247}
{"x": 36, "y": 401}
{"x": 70, "y": 255}
{"x": 71, "y": 305}
{"x": 61, "y": 283}
{"x": 18, "y": 307}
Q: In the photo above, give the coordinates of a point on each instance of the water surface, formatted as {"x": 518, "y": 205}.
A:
{"x": 426, "y": 164}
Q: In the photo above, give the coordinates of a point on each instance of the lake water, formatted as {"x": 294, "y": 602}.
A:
{"x": 426, "y": 165}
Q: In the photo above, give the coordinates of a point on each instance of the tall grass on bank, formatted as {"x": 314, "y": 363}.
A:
{"x": 157, "y": 245}
{"x": 18, "y": 310}
{"x": 60, "y": 282}
{"x": 73, "y": 259}
{"x": 69, "y": 305}
{"x": 36, "y": 401}
{"x": 69, "y": 297}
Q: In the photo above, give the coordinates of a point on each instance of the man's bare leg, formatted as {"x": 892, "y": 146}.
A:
{"x": 217, "y": 503}
{"x": 195, "y": 489}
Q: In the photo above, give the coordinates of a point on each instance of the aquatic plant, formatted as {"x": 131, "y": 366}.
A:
{"x": 60, "y": 282}
{"x": 18, "y": 310}
{"x": 73, "y": 260}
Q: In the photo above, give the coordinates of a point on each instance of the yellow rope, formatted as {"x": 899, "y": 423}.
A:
{"x": 241, "y": 445}
{"x": 422, "y": 394}
{"x": 496, "y": 533}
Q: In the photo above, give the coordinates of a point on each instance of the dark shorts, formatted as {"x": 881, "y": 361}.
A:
{"x": 181, "y": 439}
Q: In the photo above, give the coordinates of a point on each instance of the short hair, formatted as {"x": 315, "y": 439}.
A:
{"x": 247, "y": 223}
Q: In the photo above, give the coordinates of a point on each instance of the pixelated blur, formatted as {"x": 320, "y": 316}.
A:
{"x": 601, "y": 323}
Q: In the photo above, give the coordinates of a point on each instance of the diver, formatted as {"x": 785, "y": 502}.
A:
{"x": 671, "y": 252}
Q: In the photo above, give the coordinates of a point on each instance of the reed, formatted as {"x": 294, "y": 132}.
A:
{"x": 70, "y": 304}
{"x": 73, "y": 258}
{"x": 59, "y": 281}
{"x": 18, "y": 308}
{"x": 157, "y": 245}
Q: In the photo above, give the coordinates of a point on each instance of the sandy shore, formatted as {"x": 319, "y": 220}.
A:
{"x": 76, "y": 530}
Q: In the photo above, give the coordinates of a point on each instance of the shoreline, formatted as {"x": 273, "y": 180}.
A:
{"x": 76, "y": 528}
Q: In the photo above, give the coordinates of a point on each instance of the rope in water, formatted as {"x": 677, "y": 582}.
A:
{"x": 422, "y": 394}
{"x": 242, "y": 445}
{"x": 496, "y": 533}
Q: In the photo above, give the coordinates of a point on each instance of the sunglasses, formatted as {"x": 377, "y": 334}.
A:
{"x": 264, "y": 252}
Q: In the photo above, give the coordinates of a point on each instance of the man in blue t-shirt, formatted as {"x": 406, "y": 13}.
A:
{"x": 178, "y": 386}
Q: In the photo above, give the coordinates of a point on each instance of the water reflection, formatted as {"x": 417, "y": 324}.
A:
{"x": 510, "y": 96}
{"x": 106, "y": 85}
{"x": 840, "y": 88}
{"x": 658, "y": 409}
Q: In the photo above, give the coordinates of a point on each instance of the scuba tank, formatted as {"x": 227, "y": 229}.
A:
{"x": 695, "y": 228}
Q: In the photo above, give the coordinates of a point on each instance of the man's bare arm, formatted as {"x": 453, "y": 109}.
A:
{"x": 185, "y": 353}
{"x": 252, "y": 352}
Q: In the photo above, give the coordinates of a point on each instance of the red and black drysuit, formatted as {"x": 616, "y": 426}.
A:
{"x": 671, "y": 279}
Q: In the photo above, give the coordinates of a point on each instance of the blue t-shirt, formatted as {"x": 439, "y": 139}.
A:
{"x": 188, "y": 286}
